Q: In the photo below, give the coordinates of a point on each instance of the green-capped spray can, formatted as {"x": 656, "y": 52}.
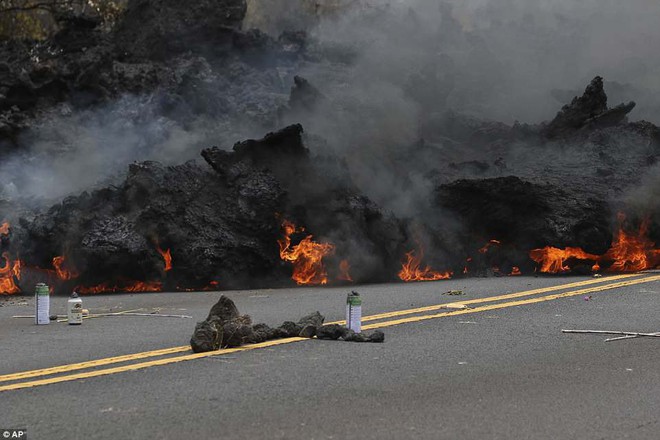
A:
{"x": 42, "y": 304}
{"x": 354, "y": 312}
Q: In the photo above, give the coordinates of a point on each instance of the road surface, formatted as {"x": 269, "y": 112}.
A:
{"x": 498, "y": 369}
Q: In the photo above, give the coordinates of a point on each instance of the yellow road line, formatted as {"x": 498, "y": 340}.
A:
{"x": 188, "y": 357}
{"x": 94, "y": 363}
{"x": 132, "y": 367}
{"x": 511, "y": 303}
{"x": 490, "y": 298}
{"x": 185, "y": 348}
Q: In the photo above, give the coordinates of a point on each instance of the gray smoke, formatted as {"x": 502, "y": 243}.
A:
{"x": 386, "y": 69}
{"x": 503, "y": 60}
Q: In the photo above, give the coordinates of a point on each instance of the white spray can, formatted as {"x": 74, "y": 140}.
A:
{"x": 42, "y": 304}
{"x": 74, "y": 310}
{"x": 354, "y": 312}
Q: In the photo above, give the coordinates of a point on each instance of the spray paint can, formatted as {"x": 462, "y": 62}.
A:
{"x": 74, "y": 310}
{"x": 42, "y": 304}
{"x": 354, "y": 312}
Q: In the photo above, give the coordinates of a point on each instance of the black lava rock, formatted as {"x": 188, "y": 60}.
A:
{"x": 224, "y": 310}
{"x": 315, "y": 319}
{"x": 309, "y": 331}
{"x": 352, "y": 336}
{"x": 588, "y": 109}
{"x": 290, "y": 329}
{"x": 331, "y": 331}
{"x": 237, "y": 332}
{"x": 377, "y": 336}
{"x": 207, "y": 336}
{"x": 261, "y": 332}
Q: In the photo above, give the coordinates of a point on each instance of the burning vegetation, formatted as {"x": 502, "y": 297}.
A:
{"x": 10, "y": 274}
{"x": 10, "y": 271}
{"x": 411, "y": 268}
{"x": 167, "y": 258}
{"x": 630, "y": 252}
{"x": 306, "y": 256}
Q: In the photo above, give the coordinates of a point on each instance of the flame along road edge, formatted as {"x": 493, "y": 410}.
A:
{"x": 457, "y": 308}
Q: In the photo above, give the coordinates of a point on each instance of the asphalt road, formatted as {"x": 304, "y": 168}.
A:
{"x": 500, "y": 370}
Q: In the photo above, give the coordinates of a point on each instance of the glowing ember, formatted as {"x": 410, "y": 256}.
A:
{"x": 132, "y": 286}
{"x": 552, "y": 259}
{"x": 488, "y": 245}
{"x": 411, "y": 270}
{"x": 306, "y": 257}
{"x": 344, "y": 271}
{"x": 213, "y": 285}
{"x": 10, "y": 272}
{"x": 63, "y": 273}
{"x": 515, "y": 271}
{"x": 167, "y": 257}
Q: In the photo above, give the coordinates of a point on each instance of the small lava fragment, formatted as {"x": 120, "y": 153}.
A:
{"x": 454, "y": 292}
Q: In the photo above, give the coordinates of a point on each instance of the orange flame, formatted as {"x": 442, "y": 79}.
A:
{"x": 9, "y": 272}
{"x": 488, "y": 245}
{"x": 167, "y": 257}
{"x": 344, "y": 271}
{"x": 132, "y": 286}
{"x": 552, "y": 259}
{"x": 306, "y": 257}
{"x": 515, "y": 271}
{"x": 62, "y": 272}
{"x": 411, "y": 271}
{"x": 629, "y": 253}
{"x": 632, "y": 253}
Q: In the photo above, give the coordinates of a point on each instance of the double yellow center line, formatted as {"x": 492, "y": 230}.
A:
{"x": 402, "y": 317}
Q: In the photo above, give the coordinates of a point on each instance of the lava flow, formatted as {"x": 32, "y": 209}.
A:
{"x": 628, "y": 253}
{"x": 306, "y": 257}
{"x": 411, "y": 270}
